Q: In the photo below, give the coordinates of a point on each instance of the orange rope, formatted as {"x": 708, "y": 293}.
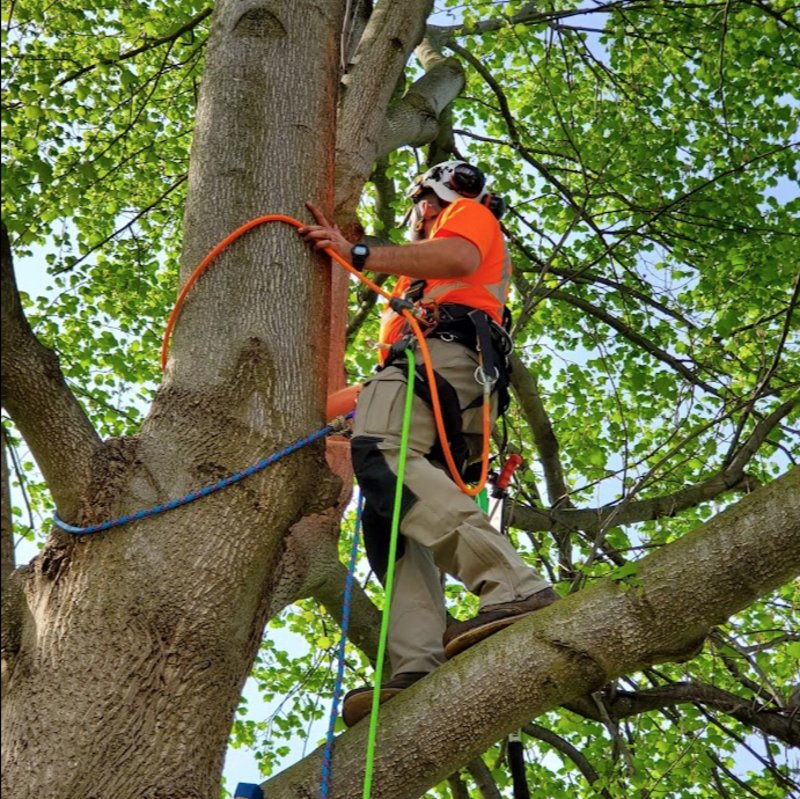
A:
{"x": 438, "y": 418}
{"x": 423, "y": 346}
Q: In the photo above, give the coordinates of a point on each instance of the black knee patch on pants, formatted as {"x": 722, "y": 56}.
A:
{"x": 378, "y": 485}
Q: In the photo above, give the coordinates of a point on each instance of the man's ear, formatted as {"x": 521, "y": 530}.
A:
{"x": 429, "y": 210}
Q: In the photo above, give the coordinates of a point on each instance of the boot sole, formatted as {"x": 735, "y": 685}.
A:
{"x": 357, "y": 707}
{"x": 470, "y": 637}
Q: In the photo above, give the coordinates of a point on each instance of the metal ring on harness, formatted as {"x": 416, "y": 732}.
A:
{"x": 484, "y": 379}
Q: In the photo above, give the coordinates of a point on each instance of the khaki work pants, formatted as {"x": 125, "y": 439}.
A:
{"x": 443, "y": 529}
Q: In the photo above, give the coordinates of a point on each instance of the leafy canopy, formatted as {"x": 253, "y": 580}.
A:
{"x": 648, "y": 153}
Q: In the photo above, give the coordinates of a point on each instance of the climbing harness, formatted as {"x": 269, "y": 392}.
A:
{"x": 476, "y": 330}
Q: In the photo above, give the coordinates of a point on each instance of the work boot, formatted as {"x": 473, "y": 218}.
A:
{"x": 358, "y": 702}
{"x": 460, "y": 635}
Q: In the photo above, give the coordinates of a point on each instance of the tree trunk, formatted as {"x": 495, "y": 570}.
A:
{"x": 136, "y": 642}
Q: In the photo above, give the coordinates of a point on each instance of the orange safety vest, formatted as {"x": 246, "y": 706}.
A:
{"x": 486, "y": 288}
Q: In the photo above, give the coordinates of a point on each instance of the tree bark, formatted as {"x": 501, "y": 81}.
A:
{"x": 136, "y": 642}
{"x": 6, "y": 524}
{"x": 414, "y": 120}
{"x": 749, "y": 711}
{"x": 55, "y": 427}
{"x": 570, "y": 649}
{"x": 391, "y": 35}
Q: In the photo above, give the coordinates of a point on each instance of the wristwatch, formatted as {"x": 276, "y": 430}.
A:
{"x": 358, "y": 255}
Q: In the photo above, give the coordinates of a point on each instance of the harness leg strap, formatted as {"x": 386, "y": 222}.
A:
{"x": 483, "y": 333}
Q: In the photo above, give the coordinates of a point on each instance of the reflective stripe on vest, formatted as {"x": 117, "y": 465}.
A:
{"x": 497, "y": 292}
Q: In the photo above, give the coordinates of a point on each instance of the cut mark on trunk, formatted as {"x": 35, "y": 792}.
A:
{"x": 259, "y": 23}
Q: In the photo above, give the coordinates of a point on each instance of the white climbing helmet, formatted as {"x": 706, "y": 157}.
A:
{"x": 450, "y": 180}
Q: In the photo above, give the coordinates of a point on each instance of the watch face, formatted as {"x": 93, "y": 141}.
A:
{"x": 358, "y": 255}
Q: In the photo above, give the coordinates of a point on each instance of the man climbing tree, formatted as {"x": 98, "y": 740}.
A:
{"x": 456, "y": 272}
{"x": 649, "y": 159}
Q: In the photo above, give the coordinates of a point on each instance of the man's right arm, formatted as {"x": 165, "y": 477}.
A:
{"x": 432, "y": 259}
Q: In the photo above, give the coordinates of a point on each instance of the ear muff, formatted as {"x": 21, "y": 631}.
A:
{"x": 497, "y": 205}
{"x": 467, "y": 180}
{"x": 452, "y": 180}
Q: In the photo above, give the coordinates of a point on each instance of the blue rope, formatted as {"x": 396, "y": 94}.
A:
{"x": 202, "y": 492}
{"x": 337, "y": 686}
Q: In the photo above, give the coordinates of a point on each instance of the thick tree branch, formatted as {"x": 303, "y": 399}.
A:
{"x": 592, "y": 520}
{"x": 55, "y": 427}
{"x": 414, "y": 120}
{"x": 392, "y": 33}
{"x": 572, "y": 648}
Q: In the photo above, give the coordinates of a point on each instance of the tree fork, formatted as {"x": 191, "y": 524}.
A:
{"x": 35, "y": 394}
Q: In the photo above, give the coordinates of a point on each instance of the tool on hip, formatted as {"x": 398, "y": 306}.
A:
{"x": 500, "y": 487}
